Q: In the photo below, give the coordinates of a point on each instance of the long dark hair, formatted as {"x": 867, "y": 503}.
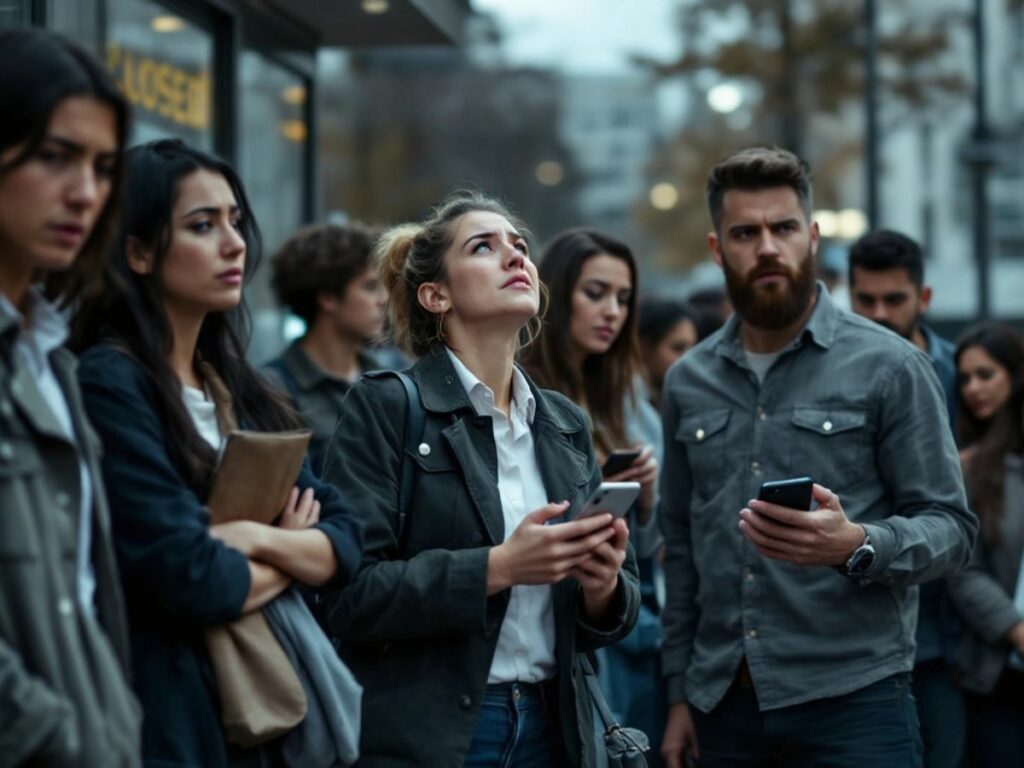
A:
{"x": 39, "y": 70}
{"x": 992, "y": 440}
{"x": 1004, "y": 344}
{"x": 605, "y": 381}
{"x": 129, "y": 310}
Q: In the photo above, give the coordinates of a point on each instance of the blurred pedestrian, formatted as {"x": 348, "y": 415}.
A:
{"x": 989, "y": 593}
{"x": 887, "y": 285}
{"x": 64, "y": 696}
{"x": 164, "y": 375}
{"x": 789, "y": 631}
{"x": 323, "y": 274}
{"x": 588, "y": 350}
{"x": 667, "y": 332}
{"x": 989, "y": 359}
{"x": 465, "y": 622}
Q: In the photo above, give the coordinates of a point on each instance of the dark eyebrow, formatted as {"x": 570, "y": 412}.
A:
{"x": 74, "y": 146}
{"x": 209, "y": 210}
{"x": 486, "y": 235}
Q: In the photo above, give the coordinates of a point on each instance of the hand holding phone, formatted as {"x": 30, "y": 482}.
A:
{"x": 613, "y": 498}
{"x": 619, "y": 460}
{"x": 793, "y": 493}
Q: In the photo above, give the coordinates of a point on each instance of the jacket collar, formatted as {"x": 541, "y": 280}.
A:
{"x": 308, "y": 374}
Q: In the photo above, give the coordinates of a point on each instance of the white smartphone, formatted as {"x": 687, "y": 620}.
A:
{"x": 614, "y": 498}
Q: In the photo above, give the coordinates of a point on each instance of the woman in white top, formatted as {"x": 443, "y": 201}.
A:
{"x": 465, "y": 624}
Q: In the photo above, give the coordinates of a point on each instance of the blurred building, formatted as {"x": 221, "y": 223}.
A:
{"x": 239, "y": 78}
{"x": 926, "y": 176}
{"x": 610, "y": 125}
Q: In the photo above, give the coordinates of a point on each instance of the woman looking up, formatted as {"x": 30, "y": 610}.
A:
{"x": 464, "y": 625}
{"x": 164, "y": 376}
{"x": 64, "y": 699}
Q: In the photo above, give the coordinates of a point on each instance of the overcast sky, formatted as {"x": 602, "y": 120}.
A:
{"x": 584, "y": 36}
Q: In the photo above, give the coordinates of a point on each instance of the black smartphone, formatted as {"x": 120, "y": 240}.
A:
{"x": 619, "y": 460}
{"x": 794, "y": 493}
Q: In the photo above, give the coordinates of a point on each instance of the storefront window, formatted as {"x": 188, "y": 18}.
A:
{"x": 163, "y": 64}
{"x": 272, "y": 151}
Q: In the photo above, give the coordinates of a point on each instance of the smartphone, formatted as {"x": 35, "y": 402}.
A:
{"x": 619, "y": 460}
{"x": 794, "y": 493}
{"x": 614, "y": 498}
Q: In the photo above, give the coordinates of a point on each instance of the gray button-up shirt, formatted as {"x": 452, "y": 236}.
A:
{"x": 858, "y": 409}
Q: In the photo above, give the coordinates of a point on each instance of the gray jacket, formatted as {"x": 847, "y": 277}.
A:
{"x": 63, "y": 695}
{"x": 983, "y": 592}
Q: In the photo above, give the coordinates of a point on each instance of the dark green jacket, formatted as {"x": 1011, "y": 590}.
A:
{"x": 64, "y": 699}
{"x": 417, "y": 626}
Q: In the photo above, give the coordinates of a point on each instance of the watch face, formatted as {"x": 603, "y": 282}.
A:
{"x": 860, "y": 561}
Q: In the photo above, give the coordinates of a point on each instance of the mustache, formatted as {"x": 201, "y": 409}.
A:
{"x": 769, "y": 268}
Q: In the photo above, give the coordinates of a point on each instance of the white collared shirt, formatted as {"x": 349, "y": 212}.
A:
{"x": 42, "y": 330}
{"x": 526, "y": 642}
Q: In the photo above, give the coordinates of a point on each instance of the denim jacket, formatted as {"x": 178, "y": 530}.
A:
{"x": 859, "y": 410}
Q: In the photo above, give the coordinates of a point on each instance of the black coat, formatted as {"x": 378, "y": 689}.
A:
{"x": 178, "y": 580}
{"x": 416, "y": 624}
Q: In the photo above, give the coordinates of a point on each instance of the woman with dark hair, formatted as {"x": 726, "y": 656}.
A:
{"x": 989, "y": 593}
{"x": 64, "y": 699}
{"x": 324, "y": 275}
{"x": 989, "y": 358}
{"x": 164, "y": 342}
{"x": 667, "y": 330}
{"x": 464, "y": 624}
{"x": 588, "y": 350}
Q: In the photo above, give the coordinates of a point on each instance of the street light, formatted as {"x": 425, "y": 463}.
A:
{"x": 664, "y": 196}
{"x": 725, "y": 98}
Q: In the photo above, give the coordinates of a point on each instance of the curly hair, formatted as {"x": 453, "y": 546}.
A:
{"x": 319, "y": 259}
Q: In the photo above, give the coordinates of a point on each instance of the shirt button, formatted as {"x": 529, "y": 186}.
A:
{"x": 700, "y": 434}
{"x": 465, "y": 702}
{"x": 424, "y": 449}
{"x": 752, "y": 634}
{"x": 827, "y": 426}
{"x": 448, "y": 379}
{"x": 761, "y": 415}
{"x": 748, "y": 574}
{"x": 755, "y": 467}
{"x": 63, "y": 499}
{"x": 6, "y": 451}
{"x": 65, "y": 607}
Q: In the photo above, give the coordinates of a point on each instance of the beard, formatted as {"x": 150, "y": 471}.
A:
{"x": 777, "y": 305}
{"x": 906, "y": 333}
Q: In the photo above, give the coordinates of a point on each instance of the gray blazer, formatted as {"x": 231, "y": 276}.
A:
{"x": 983, "y": 592}
{"x": 64, "y": 699}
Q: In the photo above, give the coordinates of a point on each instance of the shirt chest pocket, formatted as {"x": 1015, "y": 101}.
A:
{"x": 20, "y": 468}
{"x": 704, "y": 437}
{"x": 832, "y": 445}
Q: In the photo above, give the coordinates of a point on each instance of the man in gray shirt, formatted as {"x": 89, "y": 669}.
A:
{"x": 789, "y": 634}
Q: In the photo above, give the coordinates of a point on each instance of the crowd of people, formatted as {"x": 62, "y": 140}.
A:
{"x": 432, "y": 546}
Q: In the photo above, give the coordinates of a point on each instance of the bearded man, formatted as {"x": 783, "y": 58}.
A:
{"x": 789, "y": 633}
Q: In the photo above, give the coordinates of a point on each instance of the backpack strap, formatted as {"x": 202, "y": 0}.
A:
{"x": 415, "y": 424}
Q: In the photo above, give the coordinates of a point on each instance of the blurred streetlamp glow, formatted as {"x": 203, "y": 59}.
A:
{"x": 550, "y": 173}
{"x": 294, "y": 94}
{"x": 664, "y": 196}
{"x": 725, "y": 98}
{"x": 166, "y": 24}
{"x": 851, "y": 223}
{"x": 375, "y": 6}
{"x": 293, "y": 130}
{"x": 827, "y": 224}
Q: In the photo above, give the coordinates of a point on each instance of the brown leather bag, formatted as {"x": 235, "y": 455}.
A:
{"x": 260, "y": 694}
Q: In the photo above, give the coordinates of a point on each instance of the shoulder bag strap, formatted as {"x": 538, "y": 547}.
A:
{"x": 415, "y": 423}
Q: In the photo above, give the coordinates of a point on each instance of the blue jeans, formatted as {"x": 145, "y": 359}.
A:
{"x": 942, "y": 710}
{"x": 875, "y": 726}
{"x": 516, "y": 729}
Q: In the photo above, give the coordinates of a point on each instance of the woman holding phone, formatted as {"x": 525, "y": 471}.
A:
{"x": 588, "y": 350}
{"x": 465, "y": 625}
{"x": 164, "y": 342}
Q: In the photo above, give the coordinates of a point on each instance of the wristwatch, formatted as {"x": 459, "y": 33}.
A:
{"x": 860, "y": 560}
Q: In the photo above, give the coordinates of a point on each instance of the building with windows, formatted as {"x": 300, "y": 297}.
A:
{"x": 239, "y": 78}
